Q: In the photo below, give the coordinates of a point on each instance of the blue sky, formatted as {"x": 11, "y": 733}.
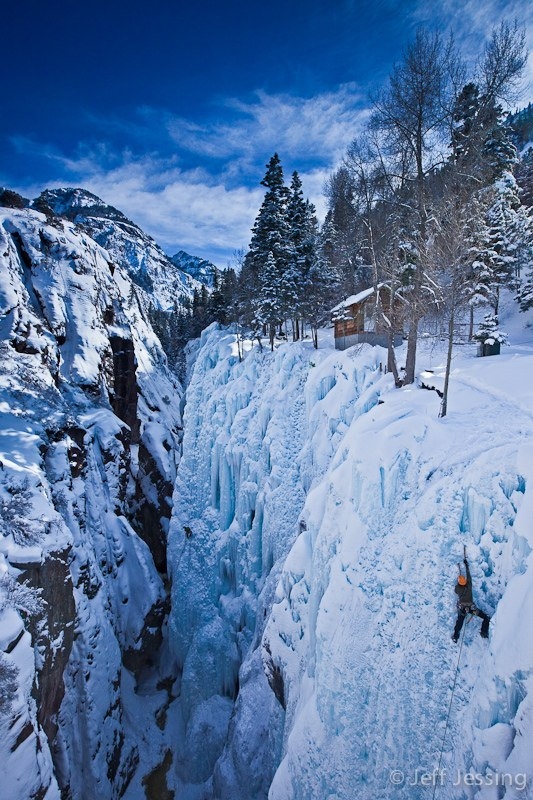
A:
{"x": 171, "y": 110}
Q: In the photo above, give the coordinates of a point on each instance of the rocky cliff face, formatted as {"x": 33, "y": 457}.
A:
{"x": 89, "y": 435}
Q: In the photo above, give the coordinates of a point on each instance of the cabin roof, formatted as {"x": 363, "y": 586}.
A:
{"x": 355, "y": 298}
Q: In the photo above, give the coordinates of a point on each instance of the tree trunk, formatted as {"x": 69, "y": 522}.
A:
{"x": 239, "y": 343}
{"x": 410, "y": 360}
{"x": 392, "y": 366}
{"x": 444, "y": 404}
{"x": 412, "y": 340}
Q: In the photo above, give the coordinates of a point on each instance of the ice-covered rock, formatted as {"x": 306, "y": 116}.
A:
{"x": 258, "y": 435}
{"x": 319, "y": 517}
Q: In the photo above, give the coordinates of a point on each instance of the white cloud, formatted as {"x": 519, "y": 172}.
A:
{"x": 181, "y": 209}
{"x": 209, "y": 210}
{"x": 299, "y": 129}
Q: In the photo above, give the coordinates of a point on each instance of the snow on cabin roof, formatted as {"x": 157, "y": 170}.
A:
{"x": 355, "y": 298}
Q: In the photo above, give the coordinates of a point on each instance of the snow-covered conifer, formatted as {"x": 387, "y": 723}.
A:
{"x": 268, "y": 305}
{"x": 489, "y": 332}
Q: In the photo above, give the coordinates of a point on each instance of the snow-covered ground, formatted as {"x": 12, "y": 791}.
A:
{"x": 328, "y": 511}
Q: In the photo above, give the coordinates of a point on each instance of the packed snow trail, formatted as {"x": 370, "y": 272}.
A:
{"x": 329, "y": 511}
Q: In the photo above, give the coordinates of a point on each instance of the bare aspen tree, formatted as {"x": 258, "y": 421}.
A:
{"x": 413, "y": 112}
{"x": 463, "y": 204}
{"x": 372, "y": 190}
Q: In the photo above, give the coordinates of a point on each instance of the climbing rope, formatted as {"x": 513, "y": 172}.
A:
{"x": 435, "y": 783}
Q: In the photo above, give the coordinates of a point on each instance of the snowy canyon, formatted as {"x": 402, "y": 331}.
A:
{"x": 244, "y": 589}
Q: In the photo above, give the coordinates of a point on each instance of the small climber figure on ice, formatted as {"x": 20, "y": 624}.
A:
{"x": 466, "y": 605}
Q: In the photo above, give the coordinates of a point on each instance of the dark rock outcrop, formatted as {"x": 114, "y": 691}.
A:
{"x": 52, "y": 631}
{"x": 124, "y": 390}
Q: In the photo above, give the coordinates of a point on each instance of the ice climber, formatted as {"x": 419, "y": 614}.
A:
{"x": 466, "y": 605}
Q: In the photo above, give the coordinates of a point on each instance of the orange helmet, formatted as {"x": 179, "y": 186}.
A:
{"x": 461, "y": 580}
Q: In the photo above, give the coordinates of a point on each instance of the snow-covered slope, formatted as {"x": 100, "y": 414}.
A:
{"x": 319, "y": 518}
{"x": 159, "y": 280}
{"x": 89, "y": 438}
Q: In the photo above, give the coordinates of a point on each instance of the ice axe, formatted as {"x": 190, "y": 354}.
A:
{"x": 464, "y": 557}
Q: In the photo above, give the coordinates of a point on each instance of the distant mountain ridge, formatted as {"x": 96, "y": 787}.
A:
{"x": 198, "y": 268}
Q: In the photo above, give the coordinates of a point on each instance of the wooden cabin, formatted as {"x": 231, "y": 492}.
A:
{"x": 356, "y": 321}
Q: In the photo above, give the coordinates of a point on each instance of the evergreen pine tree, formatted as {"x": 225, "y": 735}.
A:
{"x": 268, "y": 305}
{"x": 322, "y": 291}
{"x": 521, "y": 125}
{"x": 524, "y": 177}
{"x": 525, "y": 295}
{"x": 270, "y": 230}
{"x": 480, "y": 256}
{"x": 217, "y": 306}
{"x": 464, "y": 116}
{"x": 488, "y": 331}
{"x": 270, "y": 248}
{"x": 510, "y": 232}
{"x": 499, "y": 151}
{"x": 293, "y": 282}
{"x": 305, "y": 246}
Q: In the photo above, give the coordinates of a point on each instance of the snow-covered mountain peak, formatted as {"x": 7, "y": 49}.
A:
{"x": 161, "y": 283}
{"x": 70, "y": 202}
